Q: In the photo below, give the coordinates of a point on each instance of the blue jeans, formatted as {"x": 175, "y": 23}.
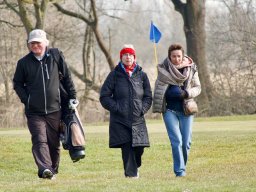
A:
{"x": 179, "y": 129}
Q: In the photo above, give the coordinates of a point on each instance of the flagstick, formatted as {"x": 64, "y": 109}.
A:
{"x": 156, "y": 57}
{"x": 155, "y": 54}
{"x": 157, "y": 71}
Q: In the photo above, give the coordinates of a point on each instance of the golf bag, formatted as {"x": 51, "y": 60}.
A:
{"x": 72, "y": 131}
{"x": 72, "y": 135}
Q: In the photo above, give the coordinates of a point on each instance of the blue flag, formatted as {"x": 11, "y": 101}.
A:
{"x": 155, "y": 34}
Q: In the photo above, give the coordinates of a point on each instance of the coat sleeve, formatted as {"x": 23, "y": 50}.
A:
{"x": 194, "y": 88}
{"x": 106, "y": 93}
{"x": 147, "y": 97}
{"x": 19, "y": 83}
{"x": 67, "y": 81}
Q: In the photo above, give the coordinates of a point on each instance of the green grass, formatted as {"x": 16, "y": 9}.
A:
{"x": 222, "y": 159}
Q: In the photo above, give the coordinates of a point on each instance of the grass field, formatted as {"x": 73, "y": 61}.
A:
{"x": 222, "y": 159}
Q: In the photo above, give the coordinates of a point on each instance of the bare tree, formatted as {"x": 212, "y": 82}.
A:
{"x": 23, "y": 9}
{"x": 5, "y": 64}
{"x": 93, "y": 23}
{"x": 232, "y": 54}
{"x": 10, "y": 49}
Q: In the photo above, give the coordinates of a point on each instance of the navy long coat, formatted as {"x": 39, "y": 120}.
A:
{"x": 127, "y": 99}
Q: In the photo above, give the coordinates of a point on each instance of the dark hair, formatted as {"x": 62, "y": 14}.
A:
{"x": 175, "y": 47}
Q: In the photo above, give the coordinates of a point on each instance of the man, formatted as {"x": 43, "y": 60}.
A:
{"x": 36, "y": 82}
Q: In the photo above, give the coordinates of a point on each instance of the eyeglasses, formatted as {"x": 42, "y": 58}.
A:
{"x": 127, "y": 55}
{"x": 35, "y": 43}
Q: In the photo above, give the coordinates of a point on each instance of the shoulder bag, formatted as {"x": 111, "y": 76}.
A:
{"x": 189, "y": 105}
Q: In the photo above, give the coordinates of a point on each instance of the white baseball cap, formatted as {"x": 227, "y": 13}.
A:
{"x": 37, "y": 35}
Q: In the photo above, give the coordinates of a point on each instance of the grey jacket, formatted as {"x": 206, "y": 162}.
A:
{"x": 193, "y": 88}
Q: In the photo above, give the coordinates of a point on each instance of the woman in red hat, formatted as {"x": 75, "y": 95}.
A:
{"x": 127, "y": 94}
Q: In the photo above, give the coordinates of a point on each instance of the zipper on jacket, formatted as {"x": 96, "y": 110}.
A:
{"x": 59, "y": 96}
{"x": 45, "y": 102}
{"x": 46, "y": 69}
{"x": 28, "y": 100}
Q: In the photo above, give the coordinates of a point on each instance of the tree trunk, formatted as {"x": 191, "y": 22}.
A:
{"x": 193, "y": 13}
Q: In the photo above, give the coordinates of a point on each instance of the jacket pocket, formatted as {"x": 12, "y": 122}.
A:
{"x": 137, "y": 109}
{"x": 123, "y": 108}
{"x": 35, "y": 102}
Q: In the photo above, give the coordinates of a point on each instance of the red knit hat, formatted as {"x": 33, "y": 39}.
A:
{"x": 127, "y": 49}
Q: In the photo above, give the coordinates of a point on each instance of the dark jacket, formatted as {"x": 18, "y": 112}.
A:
{"x": 37, "y": 83}
{"x": 127, "y": 99}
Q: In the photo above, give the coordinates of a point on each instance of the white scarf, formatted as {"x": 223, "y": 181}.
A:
{"x": 169, "y": 73}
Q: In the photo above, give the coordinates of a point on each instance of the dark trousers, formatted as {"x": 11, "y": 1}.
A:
{"x": 44, "y": 131}
{"x": 131, "y": 159}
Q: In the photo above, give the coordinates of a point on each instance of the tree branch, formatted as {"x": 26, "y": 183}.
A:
{"x": 83, "y": 79}
{"x": 93, "y": 6}
{"x": 24, "y": 17}
{"x": 11, "y": 24}
{"x": 37, "y": 14}
{"x": 12, "y": 7}
{"x": 73, "y": 14}
{"x": 94, "y": 25}
{"x": 179, "y": 6}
